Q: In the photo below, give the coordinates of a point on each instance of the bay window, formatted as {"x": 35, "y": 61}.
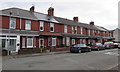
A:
{"x": 53, "y": 41}
{"x": 29, "y": 42}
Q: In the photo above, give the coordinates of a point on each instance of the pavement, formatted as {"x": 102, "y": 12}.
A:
{"x": 32, "y": 55}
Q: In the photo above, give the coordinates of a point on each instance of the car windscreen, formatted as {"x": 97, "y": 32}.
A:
{"x": 99, "y": 44}
{"x": 108, "y": 42}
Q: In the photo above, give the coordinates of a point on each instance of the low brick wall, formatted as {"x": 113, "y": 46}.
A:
{"x": 60, "y": 49}
{"x": 29, "y": 51}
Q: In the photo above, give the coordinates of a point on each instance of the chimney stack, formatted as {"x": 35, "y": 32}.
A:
{"x": 91, "y": 23}
{"x": 75, "y": 19}
{"x": 32, "y": 9}
{"x": 51, "y": 11}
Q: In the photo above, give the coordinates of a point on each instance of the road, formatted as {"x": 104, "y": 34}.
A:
{"x": 95, "y": 60}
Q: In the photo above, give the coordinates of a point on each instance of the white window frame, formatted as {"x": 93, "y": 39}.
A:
{"x": 53, "y": 40}
{"x": 51, "y": 25}
{"x": 28, "y": 42}
{"x": 27, "y": 22}
{"x": 41, "y": 25}
{"x": 76, "y": 30}
{"x": 65, "y": 28}
{"x": 73, "y": 41}
{"x": 12, "y": 20}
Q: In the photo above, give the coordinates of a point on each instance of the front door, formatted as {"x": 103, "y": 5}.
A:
{"x": 41, "y": 42}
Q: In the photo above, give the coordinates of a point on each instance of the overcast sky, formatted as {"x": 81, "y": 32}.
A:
{"x": 102, "y": 12}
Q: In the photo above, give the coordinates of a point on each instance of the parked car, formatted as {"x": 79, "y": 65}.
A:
{"x": 116, "y": 45}
{"x": 108, "y": 45}
{"x": 97, "y": 46}
{"x": 80, "y": 48}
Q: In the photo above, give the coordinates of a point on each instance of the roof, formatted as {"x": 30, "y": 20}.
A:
{"x": 16, "y": 12}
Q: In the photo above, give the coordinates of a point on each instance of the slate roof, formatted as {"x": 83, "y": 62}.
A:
{"x": 16, "y": 12}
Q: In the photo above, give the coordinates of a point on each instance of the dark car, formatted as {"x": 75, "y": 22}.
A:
{"x": 108, "y": 45}
{"x": 80, "y": 48}
{"x": 97, "y": 46}
{"x": 116, "y": 45}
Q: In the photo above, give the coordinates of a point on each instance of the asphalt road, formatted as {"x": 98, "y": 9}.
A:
{"x": 95, "y": 60}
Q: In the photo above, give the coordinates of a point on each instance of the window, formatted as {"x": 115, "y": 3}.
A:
{"x": 41, "y": 26}
{"x": 73, "y": 41}
{"x": 12, "y": 23}
{"x": 23, "y": 42}
{"x": 67, "y": 41}
{"x": 51, "y": 27}
{"x": 76, "y": 29}
{"x": 72, "y": 29}
{"x": 89, "y": 32}
{"x": 28, "y": 25}
{"x": 29, "y": 42}
{"x": 65, "y": 29}
{"x": 81, "y": 30}
{"x": 53, "y": 41}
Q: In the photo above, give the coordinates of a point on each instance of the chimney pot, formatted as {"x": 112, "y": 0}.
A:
{"x": 91, "y": 23}
{"x": 32, "y": 9}
{"x": 75, "y": 19}
{"x": 51, "y": 11}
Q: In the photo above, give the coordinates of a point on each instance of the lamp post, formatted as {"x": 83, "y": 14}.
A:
{"x": 9, "y": 35}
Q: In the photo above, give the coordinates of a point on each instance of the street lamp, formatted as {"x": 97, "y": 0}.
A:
{"x": 9, "y": 34}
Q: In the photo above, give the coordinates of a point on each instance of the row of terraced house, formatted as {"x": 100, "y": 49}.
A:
{"x": 27, "y": 31}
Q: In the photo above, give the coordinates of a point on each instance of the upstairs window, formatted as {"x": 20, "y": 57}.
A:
{"x": 89, "y": 32}
{"x": 41, "y": 26}
{"x": 65, "y": 29}
{"x": 76, "y": 29}
{"x": 72, "y": 29}
{"x": 51, "y": 27}
{"x": 28, "y": 25}
{"x": 12, "y": 23}
{"x": 81, "y": 30}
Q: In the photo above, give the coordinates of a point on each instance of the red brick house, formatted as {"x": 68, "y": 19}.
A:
{"x": 26, "y": 31}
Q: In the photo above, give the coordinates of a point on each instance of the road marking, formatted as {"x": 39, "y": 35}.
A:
{"x": 112, "y": 53}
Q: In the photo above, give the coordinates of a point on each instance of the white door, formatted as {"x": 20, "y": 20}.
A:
{"x": 41, "y": 42}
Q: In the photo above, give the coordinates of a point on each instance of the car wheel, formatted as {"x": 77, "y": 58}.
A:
{"x": 89, "y": 50}
{"x": 71, "y": 51}
{"x": 79, "y": 51}
{"x": 98, "y": 49}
